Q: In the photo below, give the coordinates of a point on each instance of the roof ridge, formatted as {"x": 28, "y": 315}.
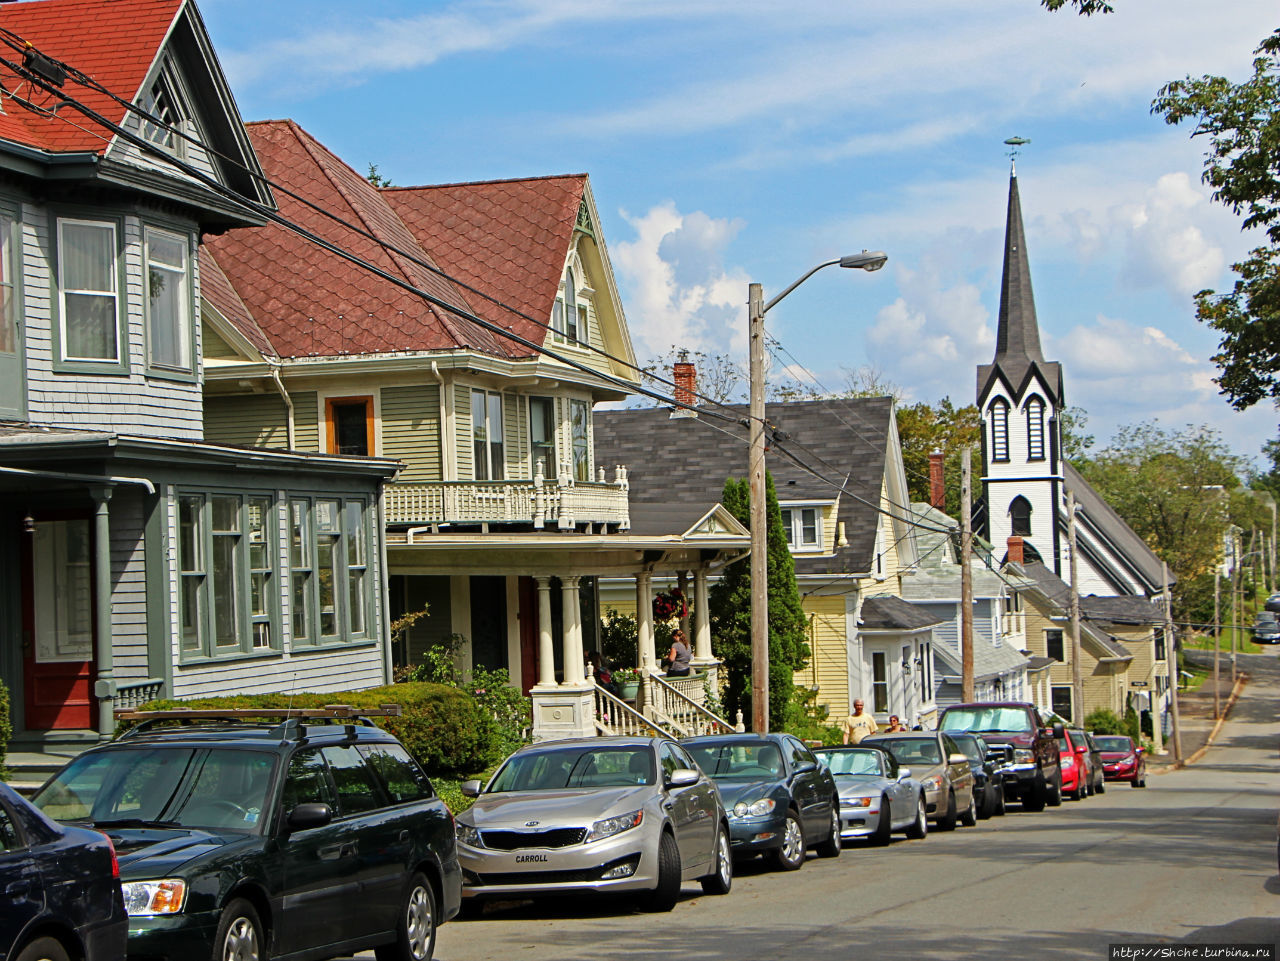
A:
{"x": 484, "y": 183}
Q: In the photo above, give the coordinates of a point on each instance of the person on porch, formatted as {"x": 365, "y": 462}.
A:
{"x": 679, "y": 657}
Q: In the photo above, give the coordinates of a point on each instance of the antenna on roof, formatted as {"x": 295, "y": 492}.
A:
{"x": 1014, "y": 143}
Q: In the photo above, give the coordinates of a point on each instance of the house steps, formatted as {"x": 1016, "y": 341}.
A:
{"x": 32, "y": 758}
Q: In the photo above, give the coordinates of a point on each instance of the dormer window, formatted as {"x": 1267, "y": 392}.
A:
{"x": 569, "y": 314}
{"x": 999, "y": 411}
{"x": 165, "y": 102}
{"x": 1035, "y": 429}
{"x": 570, "y": 306}
{"x": 803, "y": 527}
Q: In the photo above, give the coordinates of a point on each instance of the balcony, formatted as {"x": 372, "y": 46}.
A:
{"x": 540, "y": 503}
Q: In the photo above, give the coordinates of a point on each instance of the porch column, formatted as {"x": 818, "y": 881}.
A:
{"x": 701, "y": 617}
{"x": 644, "y": 621}
{"x": 571, "y": 614}
{"x": 105, "y": 687}
{"x": 546, "y": 656}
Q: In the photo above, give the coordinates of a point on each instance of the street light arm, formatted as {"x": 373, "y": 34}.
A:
{"x": 867, "y": 260}
{"x": 773, "y": 303}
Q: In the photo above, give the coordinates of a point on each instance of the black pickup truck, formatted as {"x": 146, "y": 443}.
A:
{"x": 1034, "y": 777}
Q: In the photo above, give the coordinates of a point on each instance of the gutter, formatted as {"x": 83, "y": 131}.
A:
{"x": 111, "y": 479}
{"x": 288, "y": 404}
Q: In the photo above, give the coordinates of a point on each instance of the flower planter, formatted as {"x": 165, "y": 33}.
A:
{"x": 629, "y": 690}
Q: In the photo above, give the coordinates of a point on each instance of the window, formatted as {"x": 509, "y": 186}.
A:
{"x": 307, "y": 780}
{"x": 400, "y": 774}
{"x": 580, "y": 414}
{"x": 192, "y": 570}
{"x": 357, "y": 791}
{"x": 1158, "y": 637}
{"x": 927, "y": 654}
{"x": 88, "y": 291}
{"x": 1053, "y": 646}
{"x": 300, "y": 567}
{"x": 879, "y": 683}
{"x": 168, "y": 300}
{"x": 227, "y": 570}
{"x": 570, "y": 306}
{"x": 350, "y": 423}
{"x": 1020, "y": 517}
{"x": 486, "y": 435}
{"x": 1035, "y": 429}
{"x": 8, "y": 303}
{"x": 164, "y": 103}
{"x": 803, "y": 528}
{"x": 1062, "y": 702}
{"x": 261, "y": 565}
{"x": 999, "y": 413}
{"x": 542, "y": 436}
{"x": 9, "y": 839}
{"x": 328, "y": 557}
{"x": 357, "y": 565}
{"x": 329, "y": 570}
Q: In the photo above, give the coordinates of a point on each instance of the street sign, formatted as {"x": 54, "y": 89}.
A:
{"x": 1137, "y": 683}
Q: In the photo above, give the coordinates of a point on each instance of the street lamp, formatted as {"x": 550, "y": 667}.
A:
{"x": 756, "y": 309}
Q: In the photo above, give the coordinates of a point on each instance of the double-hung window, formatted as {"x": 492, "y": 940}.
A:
{"x": 486, "y": 435}
{"x": 879, "y": 683}
{"x": 88, "y": 291}
{"x": 570, "y": 306}
{"x": 1053, "y": 645}
{"x": 803, "y": 527}
{"x": 580, "y": 417}
{"x": 542, "y": 436}
{"x": 168, "y": 300}
{"x": 329, "y": 569}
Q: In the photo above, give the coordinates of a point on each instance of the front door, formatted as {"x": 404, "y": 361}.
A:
{"x": 527, "y": 591}
{"x": 58, "y": 625}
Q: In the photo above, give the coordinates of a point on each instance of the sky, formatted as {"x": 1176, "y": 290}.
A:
{"x": 730, "y": 143}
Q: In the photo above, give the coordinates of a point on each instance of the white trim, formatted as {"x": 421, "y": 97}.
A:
{"x": 63, "y": 290}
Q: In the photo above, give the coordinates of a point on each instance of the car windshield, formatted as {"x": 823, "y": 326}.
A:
{"x": 210, "y": 789}
{"x": 912, "y": 750}
{"x": 729, "y": 762}
{"x": 853, "y": 762}
{"x": 578, "y": 767}
{"x": 1112, "y": 743}
{"x": 1013, "y": 720}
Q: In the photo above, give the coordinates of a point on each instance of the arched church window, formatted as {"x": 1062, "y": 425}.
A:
{"x": 1035, "y": 429}
{"x": 1020, "y": 517}
{"x": 999, "y": 411}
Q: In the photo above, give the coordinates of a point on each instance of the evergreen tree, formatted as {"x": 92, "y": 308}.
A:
{"x": 730, "y": 602}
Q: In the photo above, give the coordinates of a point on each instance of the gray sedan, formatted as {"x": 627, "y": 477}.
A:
{"x": 937, "y": 761}
{"x": 877, "y": 796}
{"x": 596, "y": 814}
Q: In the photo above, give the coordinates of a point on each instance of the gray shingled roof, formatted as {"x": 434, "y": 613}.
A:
{"x": 888, "y": 613}
{"x": 1093, "y": 607}
{"x": 677, "y": 466}
{"x": 988, "y": 661}
{"x": 1113, "y": 527}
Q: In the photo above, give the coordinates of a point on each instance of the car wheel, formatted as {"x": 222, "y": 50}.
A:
{"x": 948, "y": 821}
{"x": 1033, "y": 795}
{"x": 830, "y": 848}
{"x": 920, "y": 826}
{"x": 43, "y": 949}
{"x": 1001, "y": 803}
{"x": 790, "y": 856}
{"x": 720, "y": 881}
{"x": 664, "y": 896}
{"x": 239, "y": 936}
{"x": 988, "y": 805}
{"x": 1077, "y": 793}
{"x": 885, "y": 827}
{"x": 1102, "y": 786}
{"x": 416, "y": 927}
{"x": 1053, "y": 796}
{"x": 969, "y": 816}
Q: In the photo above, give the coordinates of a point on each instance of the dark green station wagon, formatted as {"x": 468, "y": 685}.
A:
{"x": 242, "y": 838}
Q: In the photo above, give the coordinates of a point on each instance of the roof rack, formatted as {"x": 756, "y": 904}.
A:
{"x": 290, "y": 727}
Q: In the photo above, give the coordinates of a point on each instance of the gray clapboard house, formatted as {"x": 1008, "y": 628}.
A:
{"x": 138, "y": 560}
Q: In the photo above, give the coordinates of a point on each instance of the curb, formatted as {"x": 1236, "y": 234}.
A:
{"x": 1237, "y": 688}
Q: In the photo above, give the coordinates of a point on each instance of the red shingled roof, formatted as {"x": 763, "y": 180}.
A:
{"x": 508, "y": 238}
{"x": 215, "y": 288}
{"x": 113, "y": 41}
{"x": 310, "y": 302}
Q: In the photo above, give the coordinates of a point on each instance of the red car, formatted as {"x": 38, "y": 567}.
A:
{"x": 1122, "y": 760}
{"x": 1082, "y": 773}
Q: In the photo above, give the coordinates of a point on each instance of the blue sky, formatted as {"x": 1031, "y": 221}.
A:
{"x": 747, "y": 141}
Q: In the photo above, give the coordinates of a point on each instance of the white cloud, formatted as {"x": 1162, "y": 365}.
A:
{"x": 678, "y": 291}
{"x": 1164, "y": 241}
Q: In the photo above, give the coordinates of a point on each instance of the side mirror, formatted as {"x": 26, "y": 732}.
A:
{"x": 1082, "y": 749}
{"x": 803, "y": 767}
{"x": 309, "y": 815}
{"x": 957, "y": 758}
{"x": 470, "y": 788}
{"x": 682, "y": 777}
{"x": 904, "y": 773}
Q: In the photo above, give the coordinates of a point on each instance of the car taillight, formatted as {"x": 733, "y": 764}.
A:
{"x": 115, "y": 861}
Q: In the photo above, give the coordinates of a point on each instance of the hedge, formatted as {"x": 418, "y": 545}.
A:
{"x": 443, "y": 727}
{"x": 6, "y": 728}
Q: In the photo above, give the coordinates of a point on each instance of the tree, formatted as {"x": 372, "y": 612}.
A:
{"x": 721, "y": 379}
{"x": 1085, "y": 8}
{"x": 924, "y": 428}
{"x": 377, "y": 179}
{"x": 1076, "y": 444}
{"x": 730, "y": 603}
{"x": 1242, "y": 166}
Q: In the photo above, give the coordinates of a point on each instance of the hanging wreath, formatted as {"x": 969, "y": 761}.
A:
{"x": 670, "y": 604}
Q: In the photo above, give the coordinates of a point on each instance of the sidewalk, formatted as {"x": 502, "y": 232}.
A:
{"x": 1195, "y": 711}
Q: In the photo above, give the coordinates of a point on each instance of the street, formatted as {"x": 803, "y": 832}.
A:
{"x": 1191, "y": 858}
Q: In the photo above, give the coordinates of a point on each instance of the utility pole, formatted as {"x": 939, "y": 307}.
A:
{"x": 1235, "y": 608}
{"x": 759, "y": 519}
{"x": 966, "y": 581}
{"x": 1217, "y": 642}
{"x": 1272, "y": 586}
{"x": 1171, "y": 659}
{"x": 1077, "y": 682}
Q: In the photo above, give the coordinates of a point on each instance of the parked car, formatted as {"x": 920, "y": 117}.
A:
{"x": 877, "y": 795}
{"x": 1266, "y": 627}
{"x": 1272, "y": 603}
{"x": 242, "y": 838}
{"x": 988, "y": 773}
{"x": 1122, "y": 760}
{"x": 781, "y": 800}
{"x": 942, "y": 769}
{"x": 1097, "y": 778}
{"x": 1077, "y": 773}
{"x": 599, "y": 814}
{"x": 62, "y": 895}
{"x": 1035, "y": 776}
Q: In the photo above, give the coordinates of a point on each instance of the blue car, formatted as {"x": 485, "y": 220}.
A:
{"x": 781, "y": 799}
{"x": 61, "y": 885}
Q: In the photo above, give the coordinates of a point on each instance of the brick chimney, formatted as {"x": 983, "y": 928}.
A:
{"x": 937, "y": 490}
{"x": 685, "y": 374}
{"x": 1015, "y": 551}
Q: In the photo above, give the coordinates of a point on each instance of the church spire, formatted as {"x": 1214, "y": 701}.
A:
{"x": 1018, "y": 336}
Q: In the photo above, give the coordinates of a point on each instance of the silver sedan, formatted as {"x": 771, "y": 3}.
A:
{"x": 877, "y": 796}
{"x": 595, "y": 814}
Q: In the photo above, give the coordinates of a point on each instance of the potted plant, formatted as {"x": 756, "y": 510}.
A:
{"x": 628, "y": 681}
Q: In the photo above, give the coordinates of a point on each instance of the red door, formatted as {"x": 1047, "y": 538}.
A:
{"x": 58, "y": 624}
{"x": 528, "y": 616}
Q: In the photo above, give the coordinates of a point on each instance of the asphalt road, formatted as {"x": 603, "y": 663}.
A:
{"x": 1190, "y": 859}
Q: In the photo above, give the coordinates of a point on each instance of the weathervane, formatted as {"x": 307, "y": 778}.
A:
{"x": 1014, "y": 143}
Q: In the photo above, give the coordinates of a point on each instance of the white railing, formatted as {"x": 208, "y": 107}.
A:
{"x": 614, "y": 716}
{"x": 666, "y": 703}
{"x": 133, "y": 694}
{"x": 563, "y": 503}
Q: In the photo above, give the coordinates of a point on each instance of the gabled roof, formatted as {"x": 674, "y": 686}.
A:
{"x": 217, "y": 290}
{"x": 508, "y": 238}
{"x": 1092, "y": 607}
{"x": 888, "y": 613}
{"x": 321, "y": 304}
{"x": 1118, "y": 535}
{"x": 678, "y": 466}
{"x": 989, "y": 661}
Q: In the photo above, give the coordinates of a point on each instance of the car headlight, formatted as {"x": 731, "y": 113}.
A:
{"x": 756, "y": 809}
{"x": 932, "y": 783}
{"x": 855, "y": 802}
{"x": 608, "y": 827}
{"x": 147, "y": 898}
{"x": 467, "y": 835}
{"x": 1022, "y": 755}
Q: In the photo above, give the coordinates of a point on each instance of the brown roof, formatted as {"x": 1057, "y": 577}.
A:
{"x": 507, "y": 238}
{"x": 215, "y": 288}
{"x": 309, "y": 301}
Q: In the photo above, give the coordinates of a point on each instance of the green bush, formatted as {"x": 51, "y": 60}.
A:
{"x": 445, "y": 728}
{"x": 6, "y": 728}
{"x": 1103, "y": 721}
{"x": 806, "y": 718}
